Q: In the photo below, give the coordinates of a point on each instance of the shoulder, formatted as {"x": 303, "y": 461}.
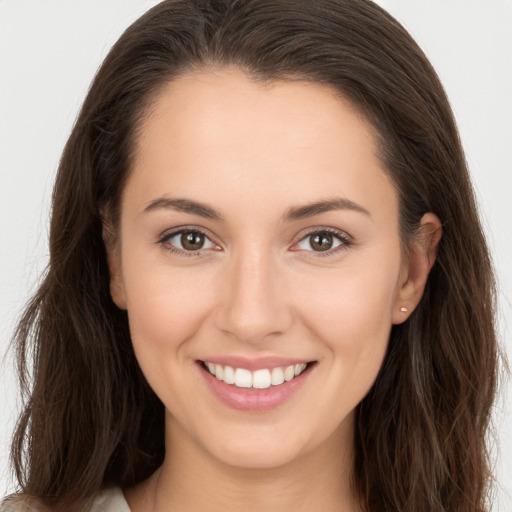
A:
{"x": 107, "y": 500}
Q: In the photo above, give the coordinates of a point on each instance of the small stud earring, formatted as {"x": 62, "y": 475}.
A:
{"x": 404, "y": 310}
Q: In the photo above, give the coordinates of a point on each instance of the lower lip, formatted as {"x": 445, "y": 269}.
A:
{"x": 254, "y": 400}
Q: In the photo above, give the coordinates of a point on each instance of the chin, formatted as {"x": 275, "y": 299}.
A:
{"x": 260, "y": 456}
{"x": 261, "y": 446}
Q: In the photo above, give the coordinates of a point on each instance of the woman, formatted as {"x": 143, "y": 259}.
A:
{"x": 268, "y": 284}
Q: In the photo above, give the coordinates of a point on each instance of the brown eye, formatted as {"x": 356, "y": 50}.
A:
{"x": 324, "y": 241}
{"x": 188, "y": 241}
{"x": 321, "y": 241}
{"x": 192, "y": 240}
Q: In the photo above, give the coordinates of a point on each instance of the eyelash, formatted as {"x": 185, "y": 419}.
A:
{"x": 164, "y": 241}
{"x": 344, "y": 239}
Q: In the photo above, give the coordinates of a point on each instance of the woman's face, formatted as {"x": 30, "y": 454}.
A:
{"x": 258, "y": 239}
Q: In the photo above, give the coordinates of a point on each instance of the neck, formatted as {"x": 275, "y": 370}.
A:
{"x": 191, "y": 479}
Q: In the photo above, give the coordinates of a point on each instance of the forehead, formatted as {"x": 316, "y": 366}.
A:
{"x": 205, "y": 99}
{"x": 219, "y": 126}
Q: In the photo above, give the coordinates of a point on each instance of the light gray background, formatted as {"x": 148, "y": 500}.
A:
{"x": 49, "y": 51}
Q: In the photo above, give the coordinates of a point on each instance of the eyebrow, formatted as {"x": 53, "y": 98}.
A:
{"x": 184, "y": 205}
{"x": 294, "y": 213}
{"x": 310, "y": 210}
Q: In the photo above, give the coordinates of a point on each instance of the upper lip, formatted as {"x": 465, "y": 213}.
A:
{"x": 254, "y": 364}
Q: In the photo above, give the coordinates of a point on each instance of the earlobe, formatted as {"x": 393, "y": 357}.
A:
{"x": 117, "y": 291}
{"x": 422, "y": 255}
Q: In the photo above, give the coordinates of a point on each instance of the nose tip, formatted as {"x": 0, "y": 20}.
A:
{"x": 253, "y": 306}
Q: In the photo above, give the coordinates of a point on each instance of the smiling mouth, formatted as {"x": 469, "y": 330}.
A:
{"x": 259, "y": 379}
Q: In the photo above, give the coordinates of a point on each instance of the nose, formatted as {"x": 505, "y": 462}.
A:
{"x": 253, "y": 305}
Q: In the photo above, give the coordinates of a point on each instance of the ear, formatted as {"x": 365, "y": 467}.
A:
{"x": 421, "y": 257}
{"x": 117, "y": 290}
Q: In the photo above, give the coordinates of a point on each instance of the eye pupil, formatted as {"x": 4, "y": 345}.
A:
{"x": 321, "y": 242}
{"x": 192, "y": 241}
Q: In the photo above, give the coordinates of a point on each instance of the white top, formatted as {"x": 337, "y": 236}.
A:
{"x": 108, "y": 500}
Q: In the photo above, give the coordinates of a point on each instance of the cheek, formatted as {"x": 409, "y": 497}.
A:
{"x": 351, "y": 311}
{"x": 165, "y": 306}
{"x": 357, "y": 300}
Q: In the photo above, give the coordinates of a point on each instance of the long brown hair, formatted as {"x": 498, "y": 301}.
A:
{"x": 90, "y": 419}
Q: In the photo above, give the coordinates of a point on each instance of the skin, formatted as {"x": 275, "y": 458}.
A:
{"x": 253, "y": 152}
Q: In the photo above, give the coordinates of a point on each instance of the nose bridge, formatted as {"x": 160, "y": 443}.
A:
{"x": 254, "y": 304}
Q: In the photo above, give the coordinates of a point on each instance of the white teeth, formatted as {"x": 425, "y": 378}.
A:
{"x": 229, "y": 375}
{"x": 259, "y": 379}
{"x": 289, "y": 373}
{"x": 243, "y": 378}
{"x": 299, "y": 368}
{"x": 277, "y": 376}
